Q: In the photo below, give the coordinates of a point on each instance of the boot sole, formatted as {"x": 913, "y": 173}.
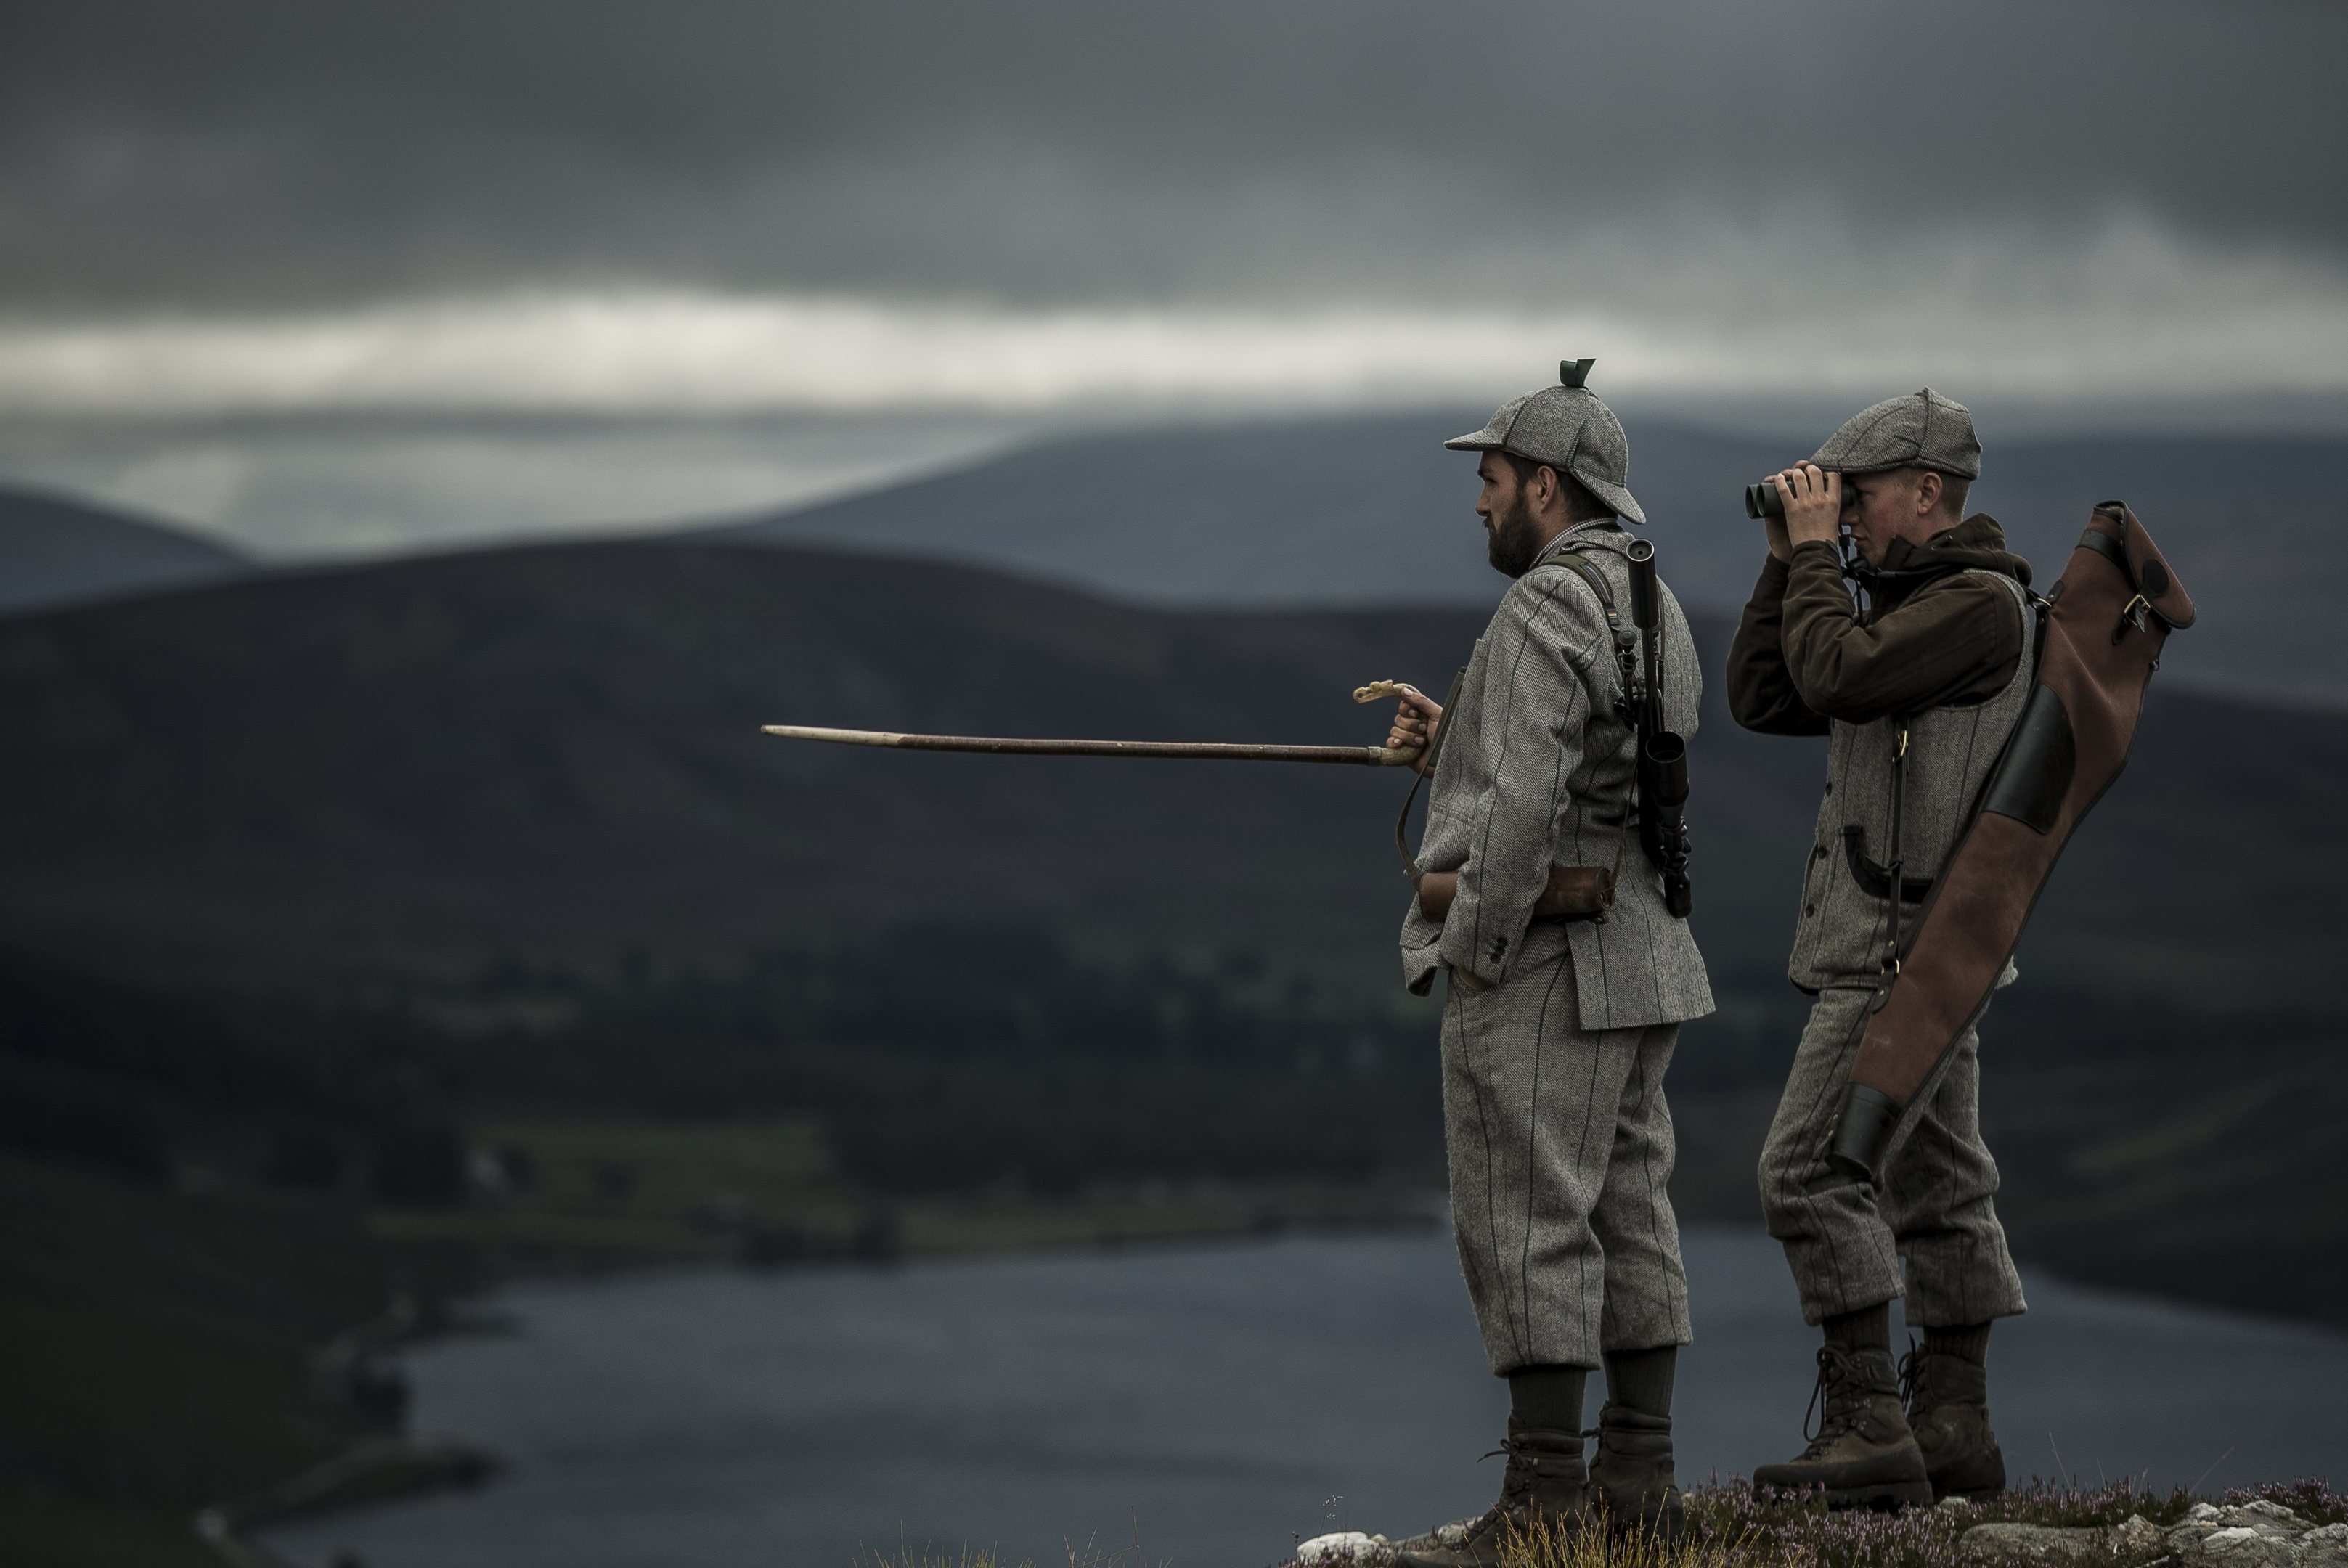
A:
{"x": 1977, "y": 1480}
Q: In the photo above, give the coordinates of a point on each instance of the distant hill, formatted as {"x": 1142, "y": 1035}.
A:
{"x": 1373, "y": 511}
{"x": 335, "y": 784}
{"x": 555, "y": 750}
{"x": 54, "y": 552}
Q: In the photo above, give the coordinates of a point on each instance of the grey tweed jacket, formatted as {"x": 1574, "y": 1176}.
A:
{"x": 1537, "y": 769}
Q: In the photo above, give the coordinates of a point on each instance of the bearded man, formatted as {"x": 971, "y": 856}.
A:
{"x": 1557, "y": 1027}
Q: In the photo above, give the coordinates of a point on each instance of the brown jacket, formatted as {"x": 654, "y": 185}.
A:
{"x": 1804, "y": 654}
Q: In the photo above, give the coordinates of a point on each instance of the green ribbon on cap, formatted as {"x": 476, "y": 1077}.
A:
{"x": 1574, "y": 372}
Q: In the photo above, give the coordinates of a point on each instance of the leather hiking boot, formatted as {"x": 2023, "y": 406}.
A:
{"x": 1542, "y": 1489}
{"x": 1948, "y": 1409}
{"x": 1863, "y": 1453}
{"x": 1631, "y": 1475}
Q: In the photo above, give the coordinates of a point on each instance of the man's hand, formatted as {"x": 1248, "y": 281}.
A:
{"x": 1416, "y": 716}
{"x": 1813, "y": 500}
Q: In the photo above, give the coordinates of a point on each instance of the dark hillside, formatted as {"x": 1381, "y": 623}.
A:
{"x": 555, "y": 752}
{"x": 507, "y": 817}
{"x": 431, "y": 764}
{"x": 54, "y": 551}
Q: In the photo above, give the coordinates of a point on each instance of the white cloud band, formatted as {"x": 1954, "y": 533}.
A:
{"x": 2124, "y": 316}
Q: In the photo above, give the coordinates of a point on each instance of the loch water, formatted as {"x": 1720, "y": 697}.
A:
{"x": 1216, "y": 1401}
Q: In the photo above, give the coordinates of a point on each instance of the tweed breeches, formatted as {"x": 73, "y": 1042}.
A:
{"x": 1933, "y": 1209}
{"x": 1560, "y": 1149}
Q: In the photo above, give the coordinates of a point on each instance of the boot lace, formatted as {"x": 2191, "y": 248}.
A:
{"x": 1836, "y": 1401}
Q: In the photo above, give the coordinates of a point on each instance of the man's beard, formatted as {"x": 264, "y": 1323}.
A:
{"x": 1515, "y": 540}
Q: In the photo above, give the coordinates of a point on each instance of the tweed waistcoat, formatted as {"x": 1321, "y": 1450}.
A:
{"x": 1839, "y": 936}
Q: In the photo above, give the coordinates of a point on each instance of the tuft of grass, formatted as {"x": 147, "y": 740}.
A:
{"x": 1595, "y": 1546}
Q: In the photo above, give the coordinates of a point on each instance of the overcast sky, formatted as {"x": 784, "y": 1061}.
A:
{"x": 1041, "y": 211}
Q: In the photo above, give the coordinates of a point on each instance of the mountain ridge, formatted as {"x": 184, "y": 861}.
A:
{"x": 528, "y": 784}
{"x": 55, "y": 551}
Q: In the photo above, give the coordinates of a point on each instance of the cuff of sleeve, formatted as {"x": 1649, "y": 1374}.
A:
{"x": 1457, "y": 952}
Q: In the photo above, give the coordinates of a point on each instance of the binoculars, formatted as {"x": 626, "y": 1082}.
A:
{"x": 1762, "y": 500}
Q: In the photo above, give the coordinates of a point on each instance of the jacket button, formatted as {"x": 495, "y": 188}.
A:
{"x": 1830, "y": 787}
{"x": 1809, "y": 910}
{"x": 1819, "y": 852}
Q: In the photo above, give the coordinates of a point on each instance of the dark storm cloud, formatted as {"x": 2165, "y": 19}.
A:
{"x": 167, "y": 154}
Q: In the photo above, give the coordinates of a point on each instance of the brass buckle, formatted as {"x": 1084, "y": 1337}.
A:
{"x": 2132, "y": 614}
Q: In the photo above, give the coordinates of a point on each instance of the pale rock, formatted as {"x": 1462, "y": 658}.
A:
{"x": 2259, "y": 1534}
{"x": 1346, "y": 1549}
{"x": 1452, "y": 1534}
{"x": 2033, "y": 1542}
{"x": 2324, "y": 1548}
{"x": 2242, "y": 1546}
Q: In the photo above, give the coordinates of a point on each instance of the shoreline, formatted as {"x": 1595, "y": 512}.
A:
{"x": 398, "y": 1469}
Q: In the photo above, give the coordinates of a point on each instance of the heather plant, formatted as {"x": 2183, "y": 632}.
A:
{"x": 2310, "y": 1500}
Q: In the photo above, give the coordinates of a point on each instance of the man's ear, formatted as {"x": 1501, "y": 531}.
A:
{"x": 1929, "y": 489}
{"x": 1542, "y": 488}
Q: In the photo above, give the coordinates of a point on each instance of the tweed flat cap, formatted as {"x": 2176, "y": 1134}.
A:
{"x": 1568, "y": 428}
{"x": 1920, "y": 430}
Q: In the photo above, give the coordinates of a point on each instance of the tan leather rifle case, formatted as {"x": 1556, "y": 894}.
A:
{"x": 2102, "y": 628}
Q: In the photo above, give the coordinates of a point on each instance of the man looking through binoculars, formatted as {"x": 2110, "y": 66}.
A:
{"x": 1917, "y": 693}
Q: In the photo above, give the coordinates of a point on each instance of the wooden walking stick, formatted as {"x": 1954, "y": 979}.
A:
{"x": 1204, "y": 751}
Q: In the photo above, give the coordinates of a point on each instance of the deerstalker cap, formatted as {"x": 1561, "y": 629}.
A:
{"x": 1569, "y": 429}
{"x": 1920, "y": 430}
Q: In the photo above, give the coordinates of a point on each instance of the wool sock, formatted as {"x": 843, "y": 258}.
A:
{"x": 1642, "y": 1380}
{"x": 1966, "y": 1341}
{"x": 1547, "y": 1399}
{"x": 1868, "y": 1328}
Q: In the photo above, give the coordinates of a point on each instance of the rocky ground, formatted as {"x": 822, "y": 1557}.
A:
{"x": 2301, "y": 1525}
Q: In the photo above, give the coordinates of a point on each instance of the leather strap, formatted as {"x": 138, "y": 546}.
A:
{"x": 1891, "y": 876}
{"x": 1873, "y": 879}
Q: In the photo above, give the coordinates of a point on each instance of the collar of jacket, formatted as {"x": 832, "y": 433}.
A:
{"x": 1607, "y": 534}
{"x": 1977, "y": 542}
